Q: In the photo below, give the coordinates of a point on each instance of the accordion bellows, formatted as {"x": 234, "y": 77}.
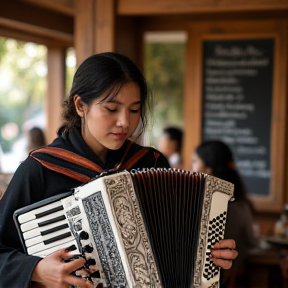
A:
{"x": 143, "y": 228}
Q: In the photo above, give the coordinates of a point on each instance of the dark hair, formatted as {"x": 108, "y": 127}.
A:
{"x": 104, "y": 74}
{"x": 174, "y": 133}
{"x": 36, "y": 138}
{"x": 219, "y": 157}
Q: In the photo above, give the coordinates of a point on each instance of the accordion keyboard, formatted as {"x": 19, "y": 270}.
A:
{"x": 59, "y": 225}
{"x": 46, "y": 229}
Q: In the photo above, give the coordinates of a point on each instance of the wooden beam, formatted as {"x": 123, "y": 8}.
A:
{"x": 36, "y": 16}
{"x": 62, "y": 6}
{"x": 150, "y": 7}
{"x": 36, "y": 30}
{"x": 55, "y": 90}
{"x": 27, "y": 37}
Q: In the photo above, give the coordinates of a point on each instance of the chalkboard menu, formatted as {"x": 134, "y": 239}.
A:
{"x": 237, "y": 104}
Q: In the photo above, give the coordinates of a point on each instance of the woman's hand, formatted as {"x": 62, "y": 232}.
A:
{"x": 53, "y": 272}
{"x": 223, "y": 253}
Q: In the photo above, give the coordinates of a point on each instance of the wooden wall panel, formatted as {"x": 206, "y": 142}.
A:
{"x": 128, "y": 38}
{"x": 193, "y": 95}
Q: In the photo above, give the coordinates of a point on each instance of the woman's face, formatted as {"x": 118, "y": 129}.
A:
{"x": 108, "y": 124}
{"x": 198, "y": 164}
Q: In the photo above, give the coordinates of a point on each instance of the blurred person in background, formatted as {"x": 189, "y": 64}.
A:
{"x": 32, "y": 139}
{"x": 170, "y": 144}
{"x": 1, "y": 158}
{"x": 215, "y": 158}
{"x": 36, "y": 138}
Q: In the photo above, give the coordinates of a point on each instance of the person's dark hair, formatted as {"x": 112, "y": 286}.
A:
{"x": 36, "y": 138}
{"x": 174, "y": 133}
{"x": 104, "y": 74}
{"x": 218, "y": 156}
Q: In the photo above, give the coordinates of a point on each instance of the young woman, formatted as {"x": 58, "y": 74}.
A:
{"x": 215, "y": 158}
{"x": 108, "y": 100}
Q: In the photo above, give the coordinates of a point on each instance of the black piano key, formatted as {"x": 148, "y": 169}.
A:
{"x": 53, "y": 220}
{"x": 59, "y": 237}
{"x": 54, "y": 229}
{"x": 72, "y": 258}
{"x": 45, "y": 213}
{"x": 71, "y": 248}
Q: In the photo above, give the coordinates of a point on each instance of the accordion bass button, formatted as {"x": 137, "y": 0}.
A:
{"x": 95, "y": 274}
{"x": 88, "y": 248}
{"x": 90, "y": 262}
{"x": 84, "y": 235}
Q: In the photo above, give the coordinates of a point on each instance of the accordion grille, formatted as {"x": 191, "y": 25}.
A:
{"x": 171, "y": 205}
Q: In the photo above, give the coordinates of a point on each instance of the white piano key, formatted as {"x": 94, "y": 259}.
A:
{"x": 31, "y": 214}
{"x": 37, "y": 231}
{"x": 39, "y": 239}
{"x": 46, "y": 252}
{"x": 41, "y": 246}
{"x": 35, "y": 223}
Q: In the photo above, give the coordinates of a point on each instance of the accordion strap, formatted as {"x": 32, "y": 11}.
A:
{"x": 78, "y": 167}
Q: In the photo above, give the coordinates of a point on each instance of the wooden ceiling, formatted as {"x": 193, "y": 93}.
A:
{"x": 51, "y": 22}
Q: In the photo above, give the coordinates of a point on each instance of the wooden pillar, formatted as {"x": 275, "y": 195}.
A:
{"x": 55, "y": 90}
{"x": 105, "y": 26}
{"x": 94, "y": 27}
{"x": 84, "y": 29}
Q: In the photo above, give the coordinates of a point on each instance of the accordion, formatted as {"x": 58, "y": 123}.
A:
{"x": 139, "y": 228}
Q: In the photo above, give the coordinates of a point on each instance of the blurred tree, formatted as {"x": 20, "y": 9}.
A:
{"x": 23, "y": 72}
{"x": 3, "y": 49}
{"x": 22, "y": 77}
{"x": 164, "y": 70}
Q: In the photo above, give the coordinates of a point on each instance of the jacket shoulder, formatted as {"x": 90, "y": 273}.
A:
{"x": 153, "y": 157}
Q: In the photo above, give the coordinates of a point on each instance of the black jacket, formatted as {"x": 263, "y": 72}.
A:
{"x": 33, "y": 182}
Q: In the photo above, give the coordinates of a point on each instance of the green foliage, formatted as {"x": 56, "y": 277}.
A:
{"x": 164, "y": 70}
{"x": 22, "y": 82}
{"x": 3, "y": 49}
